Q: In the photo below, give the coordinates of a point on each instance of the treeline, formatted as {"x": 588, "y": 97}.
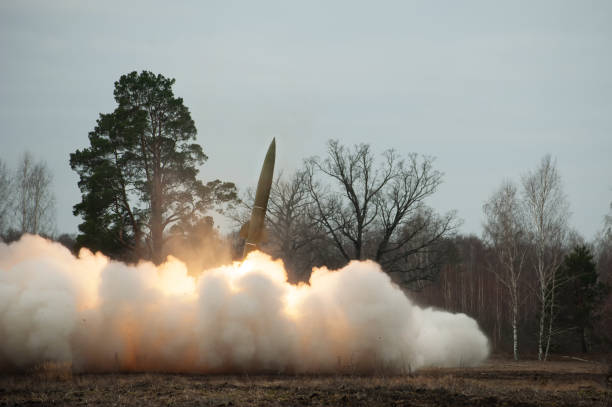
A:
{"x": 582, "y": 312}
{"x": 533, "y": 284}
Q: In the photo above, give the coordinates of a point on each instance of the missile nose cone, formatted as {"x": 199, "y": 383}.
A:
{"x": 272, "y": 148}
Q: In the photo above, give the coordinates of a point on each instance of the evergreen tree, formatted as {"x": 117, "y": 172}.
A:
{"x": 581, "y": 294}
{"x": 138, "y": 177}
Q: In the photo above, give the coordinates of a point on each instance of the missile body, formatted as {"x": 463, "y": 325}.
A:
{"x": 253, "y": 230}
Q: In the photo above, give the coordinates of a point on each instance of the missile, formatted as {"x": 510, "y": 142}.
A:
{"x": 253, "y": 231}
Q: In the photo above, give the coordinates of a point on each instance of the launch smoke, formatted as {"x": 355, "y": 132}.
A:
{"x": 102, "y": 315}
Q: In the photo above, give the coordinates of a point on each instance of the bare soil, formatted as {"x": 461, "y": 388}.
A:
{"x": 496, "y": 383}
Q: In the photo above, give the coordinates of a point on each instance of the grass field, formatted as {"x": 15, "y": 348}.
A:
{"x": 496, "y": 383}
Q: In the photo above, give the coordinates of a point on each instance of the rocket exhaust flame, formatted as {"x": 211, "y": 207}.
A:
{"x": 102, "y": 315}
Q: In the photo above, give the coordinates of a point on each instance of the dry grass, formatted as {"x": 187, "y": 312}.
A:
{"x": 499, "y": 382}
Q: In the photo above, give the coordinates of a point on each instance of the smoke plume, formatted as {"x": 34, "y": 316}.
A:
{"x": 102, "y": 315}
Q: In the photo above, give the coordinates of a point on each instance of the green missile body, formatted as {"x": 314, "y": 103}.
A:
{"x": 254, "y": 229}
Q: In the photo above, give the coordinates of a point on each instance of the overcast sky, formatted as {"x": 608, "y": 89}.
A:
{"x": 487, "y": 87}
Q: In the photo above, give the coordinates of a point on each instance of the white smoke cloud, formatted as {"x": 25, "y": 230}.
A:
{"x": 103, "y": 315}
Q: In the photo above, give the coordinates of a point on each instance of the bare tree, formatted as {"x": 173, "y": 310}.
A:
{"x": 546, "y": 213}
{"x": 288, "y": 213}
{"x": 292, "y": 231}
{"x": 6, "y": 196}
{"x": 377, "y": 211}
{"x": 504, "y": 231}
{"x": 34, "y": 203}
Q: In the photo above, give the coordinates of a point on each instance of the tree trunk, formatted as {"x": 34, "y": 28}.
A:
{"x": 551, "y": 316}
{"x": 543, "y": 302}
{"x": 541, "y": 327}
{"x": 515, "y": 328}
{"x": 498, "y": 321}
{"x": 157, "y": 230}
{"x": 585, "y": 340}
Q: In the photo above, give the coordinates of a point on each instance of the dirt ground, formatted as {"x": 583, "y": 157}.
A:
{"x": 496, "y": 383}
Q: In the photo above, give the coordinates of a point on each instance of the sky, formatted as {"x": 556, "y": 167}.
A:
{"x": 487, "y": 88}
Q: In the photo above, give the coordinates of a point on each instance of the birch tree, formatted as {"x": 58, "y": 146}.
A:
{"x": 34, "y": 202}
{"x": 546, "y": 213}
{"x": 504, "y": 231}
